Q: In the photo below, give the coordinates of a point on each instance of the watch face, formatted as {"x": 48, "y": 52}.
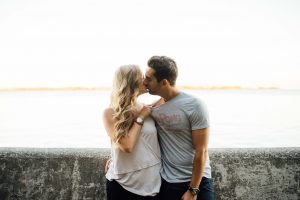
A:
{"x": 194, "y": 191}
{"x": 139, "y": 120}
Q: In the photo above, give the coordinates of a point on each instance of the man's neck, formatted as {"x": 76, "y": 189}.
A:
{"x": 170, "y": 94}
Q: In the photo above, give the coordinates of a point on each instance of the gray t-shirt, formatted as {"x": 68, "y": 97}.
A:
{"x": 175, "y": 121}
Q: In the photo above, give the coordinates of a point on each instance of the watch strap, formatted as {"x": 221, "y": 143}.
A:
{"x": 194, "y": 191}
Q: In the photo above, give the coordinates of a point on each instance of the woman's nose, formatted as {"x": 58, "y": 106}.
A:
{"x": 144, "y": 82}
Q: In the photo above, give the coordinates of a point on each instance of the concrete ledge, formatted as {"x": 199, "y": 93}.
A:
{"x": 28, "y": 173}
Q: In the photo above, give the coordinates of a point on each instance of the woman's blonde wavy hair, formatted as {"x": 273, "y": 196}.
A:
{"x": 124, "y": 94}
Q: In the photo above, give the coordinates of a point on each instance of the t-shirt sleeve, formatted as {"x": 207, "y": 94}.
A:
{"x": 198, "y": 115}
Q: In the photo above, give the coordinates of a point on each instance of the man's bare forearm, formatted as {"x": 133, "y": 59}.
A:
{"x": 198, "y": 167}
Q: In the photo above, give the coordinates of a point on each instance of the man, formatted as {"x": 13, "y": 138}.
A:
{"x": 183, "y": 130}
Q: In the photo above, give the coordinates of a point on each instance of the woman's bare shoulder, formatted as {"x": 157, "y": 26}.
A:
{"x": 108, "y": 113}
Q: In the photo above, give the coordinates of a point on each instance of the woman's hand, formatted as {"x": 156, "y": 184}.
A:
{"x": 145, "y": 112}
{"x": 158, "y": 102}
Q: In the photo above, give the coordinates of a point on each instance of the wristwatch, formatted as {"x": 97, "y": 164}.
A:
{"x": 194, "y": 191}
{"x": 139, "y": 121}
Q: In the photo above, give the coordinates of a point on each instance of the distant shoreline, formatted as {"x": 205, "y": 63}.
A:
{"x": 109, "y": 88}
{"x": 54, "y": 89}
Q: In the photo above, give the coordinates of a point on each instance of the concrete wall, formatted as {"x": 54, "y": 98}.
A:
{"x": 78, "y": 173}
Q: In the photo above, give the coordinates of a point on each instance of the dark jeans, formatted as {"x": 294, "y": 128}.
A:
{"x": 115, "y": 191}
{"x": 174, "y": 191}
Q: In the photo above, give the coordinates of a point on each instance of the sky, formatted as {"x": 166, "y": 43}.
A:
{"x": 63, "y": 43}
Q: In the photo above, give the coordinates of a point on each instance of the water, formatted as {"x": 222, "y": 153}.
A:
{"x": 241, "y": 118}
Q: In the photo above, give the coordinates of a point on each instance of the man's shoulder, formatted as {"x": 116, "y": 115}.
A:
{"x": 191, "y": 103}
{"x": 188, "y": 98}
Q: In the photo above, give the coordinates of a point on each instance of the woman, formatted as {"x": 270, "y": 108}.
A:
{"x": 135, "y": 153}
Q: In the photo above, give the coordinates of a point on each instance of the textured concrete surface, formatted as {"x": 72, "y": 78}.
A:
{"x": 78, "y": 173}
{"x": 52, "y": 173}
{"x": 256, "y": 173}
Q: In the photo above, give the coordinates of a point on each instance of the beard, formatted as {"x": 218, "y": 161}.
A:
{"x": 151, "y": 92}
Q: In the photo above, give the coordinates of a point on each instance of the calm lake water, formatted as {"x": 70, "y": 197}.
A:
{"x": 241, "y": 118}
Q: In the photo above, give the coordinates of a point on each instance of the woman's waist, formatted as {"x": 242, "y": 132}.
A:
{"x": 122, "y": 171}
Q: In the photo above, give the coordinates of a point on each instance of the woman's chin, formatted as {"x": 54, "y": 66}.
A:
{"x": 143, "y": 92}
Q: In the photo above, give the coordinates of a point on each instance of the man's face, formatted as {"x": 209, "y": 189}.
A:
{"x": 151, "y": 83}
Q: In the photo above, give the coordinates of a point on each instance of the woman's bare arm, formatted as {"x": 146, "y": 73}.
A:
{"x": 128, "y": 141}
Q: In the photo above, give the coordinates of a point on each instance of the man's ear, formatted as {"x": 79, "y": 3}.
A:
{"x": 165, "y": 82}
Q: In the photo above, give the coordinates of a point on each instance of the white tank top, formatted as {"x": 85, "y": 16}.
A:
{"x": 138, "y": 171}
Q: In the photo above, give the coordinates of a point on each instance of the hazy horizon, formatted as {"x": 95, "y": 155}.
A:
{"x": 183, "y": 87}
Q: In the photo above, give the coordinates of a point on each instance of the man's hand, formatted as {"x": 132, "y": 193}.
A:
{"x": 188, "y": 196}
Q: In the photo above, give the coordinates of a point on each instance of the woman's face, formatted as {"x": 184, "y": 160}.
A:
{"x": 142, "y": 88}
